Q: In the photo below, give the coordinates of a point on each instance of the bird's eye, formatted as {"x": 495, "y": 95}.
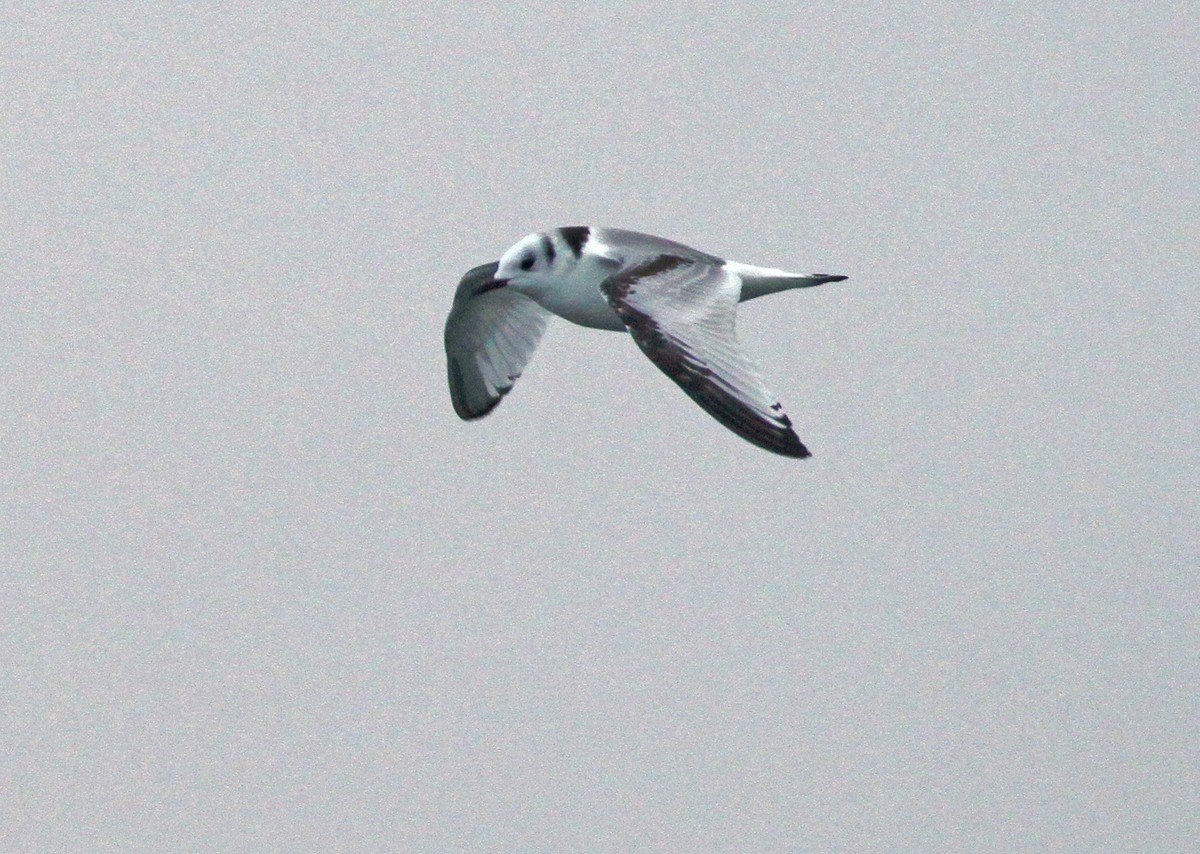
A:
{"x": 527, "y": 262}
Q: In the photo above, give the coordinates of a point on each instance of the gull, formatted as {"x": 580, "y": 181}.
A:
{"x": 678, "y": 303}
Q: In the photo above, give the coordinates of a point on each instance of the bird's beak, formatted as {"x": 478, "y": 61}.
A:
{"x": 491, "y": 285}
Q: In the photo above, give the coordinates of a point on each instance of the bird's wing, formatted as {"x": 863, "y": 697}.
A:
{"x": 681, "y": 311}
{"x": 489, "y": 338}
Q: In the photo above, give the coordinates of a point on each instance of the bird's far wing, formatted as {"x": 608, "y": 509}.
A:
{"x": 681, "y": 313}
{"x": 489, "y": 338}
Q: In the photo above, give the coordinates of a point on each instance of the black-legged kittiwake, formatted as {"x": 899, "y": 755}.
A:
{"x": 678, "y": 304}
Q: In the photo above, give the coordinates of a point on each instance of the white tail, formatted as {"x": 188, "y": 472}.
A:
{"x": 760, "y": 281}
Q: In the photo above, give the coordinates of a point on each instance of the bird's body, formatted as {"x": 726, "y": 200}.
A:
{"x": 677, "y": 302}
{"x": 574, "y": 291}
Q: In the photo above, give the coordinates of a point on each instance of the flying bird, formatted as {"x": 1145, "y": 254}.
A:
{"x": 678, "y": 303}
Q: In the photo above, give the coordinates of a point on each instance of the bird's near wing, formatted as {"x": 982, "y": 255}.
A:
{"x": 681, "y": 313}
{"x": 489, "y": 338}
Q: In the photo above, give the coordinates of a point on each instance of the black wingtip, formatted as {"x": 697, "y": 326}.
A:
{"x": 786, "y": 442}
{"x": 826, "y": 278}
{"x": 792, "y": 447}
{"x": 458, "y": 395}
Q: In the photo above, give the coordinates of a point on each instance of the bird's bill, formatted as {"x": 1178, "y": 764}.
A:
{"x": 491, "y": 285}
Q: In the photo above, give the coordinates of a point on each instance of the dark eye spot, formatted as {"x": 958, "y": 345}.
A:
{"x": 527, "y": 262}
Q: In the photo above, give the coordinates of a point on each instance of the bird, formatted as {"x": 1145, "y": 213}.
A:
{"x": 677, "y": 303}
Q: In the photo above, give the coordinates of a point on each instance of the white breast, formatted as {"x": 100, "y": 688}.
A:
{"x": 577, "y": 296}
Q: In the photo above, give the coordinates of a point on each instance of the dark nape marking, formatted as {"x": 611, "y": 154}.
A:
{"x": 548, "y": 248}
{"x": 575, "y": 236}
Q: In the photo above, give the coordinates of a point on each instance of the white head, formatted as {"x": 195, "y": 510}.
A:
{"x": 529, "y": 265}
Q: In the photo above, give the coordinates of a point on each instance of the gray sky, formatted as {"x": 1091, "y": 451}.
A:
{"x": 264, "y": 591}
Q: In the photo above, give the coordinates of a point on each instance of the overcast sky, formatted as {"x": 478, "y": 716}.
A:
{"x": 263, "y": 590}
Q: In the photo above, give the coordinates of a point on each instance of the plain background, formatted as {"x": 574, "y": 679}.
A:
{"x": 262, "y": 590}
